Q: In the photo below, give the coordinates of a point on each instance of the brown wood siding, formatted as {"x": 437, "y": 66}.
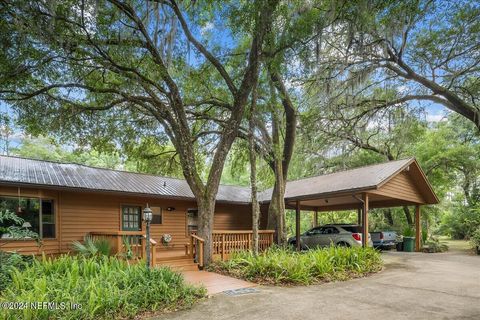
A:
{"x": 78, "y": 213}
{"x": 232, "y": 217}
{"x": 401, "y": 187}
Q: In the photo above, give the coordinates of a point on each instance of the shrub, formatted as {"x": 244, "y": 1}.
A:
{"x": 105, "y": 287}
{"x": 90, "y": 247}
{"x": 8, "y": 262}
{"x": 284, "y": 266}
{"x": 475, "y": 238}
{"x": 434, "y": 245}
{"x": 408, "y": 232}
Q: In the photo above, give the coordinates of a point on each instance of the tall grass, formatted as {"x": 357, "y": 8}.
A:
{"x": 105, "y": 287}
{"x": 284, "y": 266}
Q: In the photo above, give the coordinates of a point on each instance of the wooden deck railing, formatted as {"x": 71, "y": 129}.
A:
{"x": 129, "y": 244}
{"x": 197, "y": 245}
{"x": 225, "y": 242}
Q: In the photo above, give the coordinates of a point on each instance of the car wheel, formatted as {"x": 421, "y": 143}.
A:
{"x": 343, "y": 244}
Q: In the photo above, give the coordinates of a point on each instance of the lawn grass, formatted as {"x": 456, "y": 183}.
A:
{"x": 104, "y": 287}
{"x": 283, "y": 266}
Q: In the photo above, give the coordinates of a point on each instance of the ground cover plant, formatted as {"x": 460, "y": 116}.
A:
{"x": 8, "y": 262}
{"x": 283, "y": 266}
{"x": 104, "y": 287}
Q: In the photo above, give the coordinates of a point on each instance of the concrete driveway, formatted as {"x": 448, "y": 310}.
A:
{"x": 412, "y": 286}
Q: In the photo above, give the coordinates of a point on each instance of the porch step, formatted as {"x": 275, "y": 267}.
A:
{"x": 160, "y": 257}
{"x": 183, "y": 263}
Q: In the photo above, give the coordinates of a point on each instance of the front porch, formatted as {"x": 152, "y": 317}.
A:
{"x": 132, "y": 245}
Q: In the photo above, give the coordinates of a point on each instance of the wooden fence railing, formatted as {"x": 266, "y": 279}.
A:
{"x": 225, "y": 242}
{"x": 129, "y": 244}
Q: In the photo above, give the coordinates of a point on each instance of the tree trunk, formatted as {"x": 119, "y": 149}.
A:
{"x": 281, "y": 158}
{"x": 253, "y": 173}
{"x": 276, "y": 213}
{"x": 388, "y": 216}
{"x": 277, "y": 206}
{"x": 408, "y": 215}
{"x": 206, "y": 209}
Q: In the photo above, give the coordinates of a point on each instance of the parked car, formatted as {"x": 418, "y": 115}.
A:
{"x": 347, "y": 235}
{"x": 385, "y": 240}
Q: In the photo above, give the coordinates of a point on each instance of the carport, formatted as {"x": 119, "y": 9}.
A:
{"x": 391, "y": 184}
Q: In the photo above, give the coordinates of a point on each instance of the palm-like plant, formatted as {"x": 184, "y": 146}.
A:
{"x": 91, "y": 247}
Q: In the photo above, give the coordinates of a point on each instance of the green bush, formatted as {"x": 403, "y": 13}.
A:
{"x": 90, "y": 247}
{"x": 284, "y": 266}
{"x": 8, "y": 262}
{"x": 461, "y": 223}
{"x": 105, "y": 287}
{"x": 475, "y": 238}
{"x": 408, "y": 232}
{"x": 433, "y": 245}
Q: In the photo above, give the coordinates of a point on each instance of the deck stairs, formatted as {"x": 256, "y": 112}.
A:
{"x": 177, "y": 260}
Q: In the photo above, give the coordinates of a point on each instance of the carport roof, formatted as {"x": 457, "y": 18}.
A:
{"x": 349, "y": 184}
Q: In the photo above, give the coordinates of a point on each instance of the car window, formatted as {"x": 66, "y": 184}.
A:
{"x": 317, "y": 230}
{"x": 353, "y": 229}
{"x": 330, "y": 230}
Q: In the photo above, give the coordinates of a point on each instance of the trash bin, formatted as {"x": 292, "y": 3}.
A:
{"x": 399, "y": 246}
{"x": 409, "y": 244}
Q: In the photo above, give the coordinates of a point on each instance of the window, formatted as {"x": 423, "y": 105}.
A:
{"x": 38, "y": 215}
{"x": 131, "y": 220}
{"x": 48, "y": 219}
{"x": 330, "y": 230}
{"x": 157, "y": 217}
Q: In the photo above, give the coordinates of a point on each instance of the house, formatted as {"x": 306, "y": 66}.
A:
{"x": 63, "y": 202}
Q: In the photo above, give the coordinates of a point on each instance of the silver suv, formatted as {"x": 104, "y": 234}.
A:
{"x": 347, "y": 235}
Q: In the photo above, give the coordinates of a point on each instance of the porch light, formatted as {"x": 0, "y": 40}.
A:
{"x": 147, "y": 217}
{"x": 147, "y": 214}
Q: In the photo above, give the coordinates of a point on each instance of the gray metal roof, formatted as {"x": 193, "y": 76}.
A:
{"x": 67, "y": 175}
{"x": 362, "y": 178}
{"x": 17, "y": 170}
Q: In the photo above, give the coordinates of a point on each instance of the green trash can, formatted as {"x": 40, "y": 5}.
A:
{"x": 409, "y": 244}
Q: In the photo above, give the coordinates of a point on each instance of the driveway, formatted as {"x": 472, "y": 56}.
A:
{"x": 412, "y": 286}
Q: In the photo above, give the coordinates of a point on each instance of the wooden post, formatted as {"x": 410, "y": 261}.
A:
{"x": 365, "y": 221}
{"x": 191, "y": 246}
{"x": 200, "y": 254}
{"x": 223, "y": 246}
{"x": 315, "y": 218}
{"x": 297, "y": 225}
{"x": 418, "y": 229}
{"x": 119, "y": 243}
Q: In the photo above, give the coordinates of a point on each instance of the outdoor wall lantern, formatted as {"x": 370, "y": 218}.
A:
{"x": 147, "y": 217}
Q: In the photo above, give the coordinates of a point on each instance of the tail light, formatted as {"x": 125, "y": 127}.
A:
{"x": 381, "y": 235}
{"x": 357, "y": 236}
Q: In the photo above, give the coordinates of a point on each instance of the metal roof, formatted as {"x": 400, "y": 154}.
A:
{"x": 16, "y": 170}
{"x": 68, "y": 175}
{"x": 363, "y": 178}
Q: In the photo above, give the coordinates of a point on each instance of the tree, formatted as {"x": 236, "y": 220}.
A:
{"x": 428, "y": 50}
{"x": 118, "y": 69}
{"x": 390, "y": 133}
